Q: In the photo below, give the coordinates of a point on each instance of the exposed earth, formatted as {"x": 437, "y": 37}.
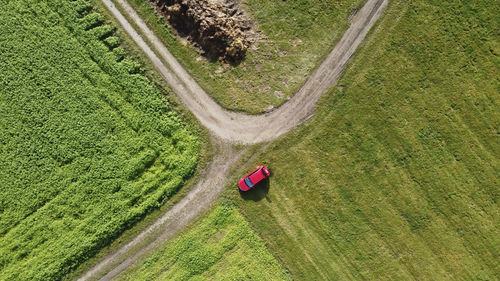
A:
{"x": 226, "y": 126}
{"x": 220, "y": 28}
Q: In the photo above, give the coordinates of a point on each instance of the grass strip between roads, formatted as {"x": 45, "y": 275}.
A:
{"x": 296, "y": 35}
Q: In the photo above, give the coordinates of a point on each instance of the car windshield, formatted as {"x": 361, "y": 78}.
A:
{"x": 248, "y": 182}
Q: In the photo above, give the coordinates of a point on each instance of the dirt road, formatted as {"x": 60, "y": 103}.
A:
{"x": 227, "y": 126}
{"x": 194, "y": 203}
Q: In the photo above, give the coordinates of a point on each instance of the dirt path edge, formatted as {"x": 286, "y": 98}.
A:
{"x": 227, "y": 126}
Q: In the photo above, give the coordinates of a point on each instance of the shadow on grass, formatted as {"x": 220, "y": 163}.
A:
{"x": 218, "y": 58}
{"x": 257, "y": 193}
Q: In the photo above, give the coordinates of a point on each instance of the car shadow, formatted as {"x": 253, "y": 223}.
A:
{"x": 257, "y": 193}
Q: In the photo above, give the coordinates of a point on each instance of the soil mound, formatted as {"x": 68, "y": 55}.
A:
{"x": 220, "y": 28}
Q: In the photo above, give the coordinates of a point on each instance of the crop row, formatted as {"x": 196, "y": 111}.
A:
{"x": 89, "y": 145}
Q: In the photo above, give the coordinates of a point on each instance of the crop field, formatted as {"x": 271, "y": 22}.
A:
{"x": 397, "y": 175}
{"x": 88, "y": 144}
{"x": 295, "y": 36}
{"x": 221, "y": 246}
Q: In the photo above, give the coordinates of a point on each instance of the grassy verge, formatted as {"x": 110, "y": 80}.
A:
{"x": 206, "y": 153}
{"x": 220, "y": 246}
{"x": 206, "y": 149}
{"x": 296, "y": 35}
{"x": 91, "y": 145}
{"x": 396, "y": 177}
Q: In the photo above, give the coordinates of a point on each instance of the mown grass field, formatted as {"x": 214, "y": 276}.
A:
{"x": 397, "y": 175}
{"x": 220, "y": 246}
{"x": 296, "y": 35}
{"x": 88, "y": 144}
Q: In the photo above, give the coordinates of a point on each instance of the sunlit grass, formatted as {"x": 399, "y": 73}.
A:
{"x": 396, "y": 177}
{"x": 294, "y": 37}
{"x": 220, "y": 246}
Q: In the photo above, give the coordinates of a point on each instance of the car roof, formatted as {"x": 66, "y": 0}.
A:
{"x": 257, "y": 175}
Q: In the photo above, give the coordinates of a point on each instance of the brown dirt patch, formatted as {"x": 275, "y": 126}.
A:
{"x": 219, "y": 28}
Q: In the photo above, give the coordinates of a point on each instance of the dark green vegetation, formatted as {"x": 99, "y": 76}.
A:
{"x": 88, "y": 144}
{"x": 221, "y": 246}
{"x": 397, "y": 176}
{"x": 295, "y": 35}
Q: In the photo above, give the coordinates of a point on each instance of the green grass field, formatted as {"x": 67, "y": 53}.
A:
{"x": 220, "y": 246}
{"x": 88, "y": 144}
{"x": 296, "y": 35}
{"x": 397, "y": 175}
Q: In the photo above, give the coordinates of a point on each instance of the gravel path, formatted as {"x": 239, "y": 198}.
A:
{"x": 226, "y": 126}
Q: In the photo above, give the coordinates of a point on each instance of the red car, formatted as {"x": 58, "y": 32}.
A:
{"x": 253, "y": 178}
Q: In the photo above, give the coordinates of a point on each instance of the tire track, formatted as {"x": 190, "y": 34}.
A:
{"x": 227, "y": 127}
